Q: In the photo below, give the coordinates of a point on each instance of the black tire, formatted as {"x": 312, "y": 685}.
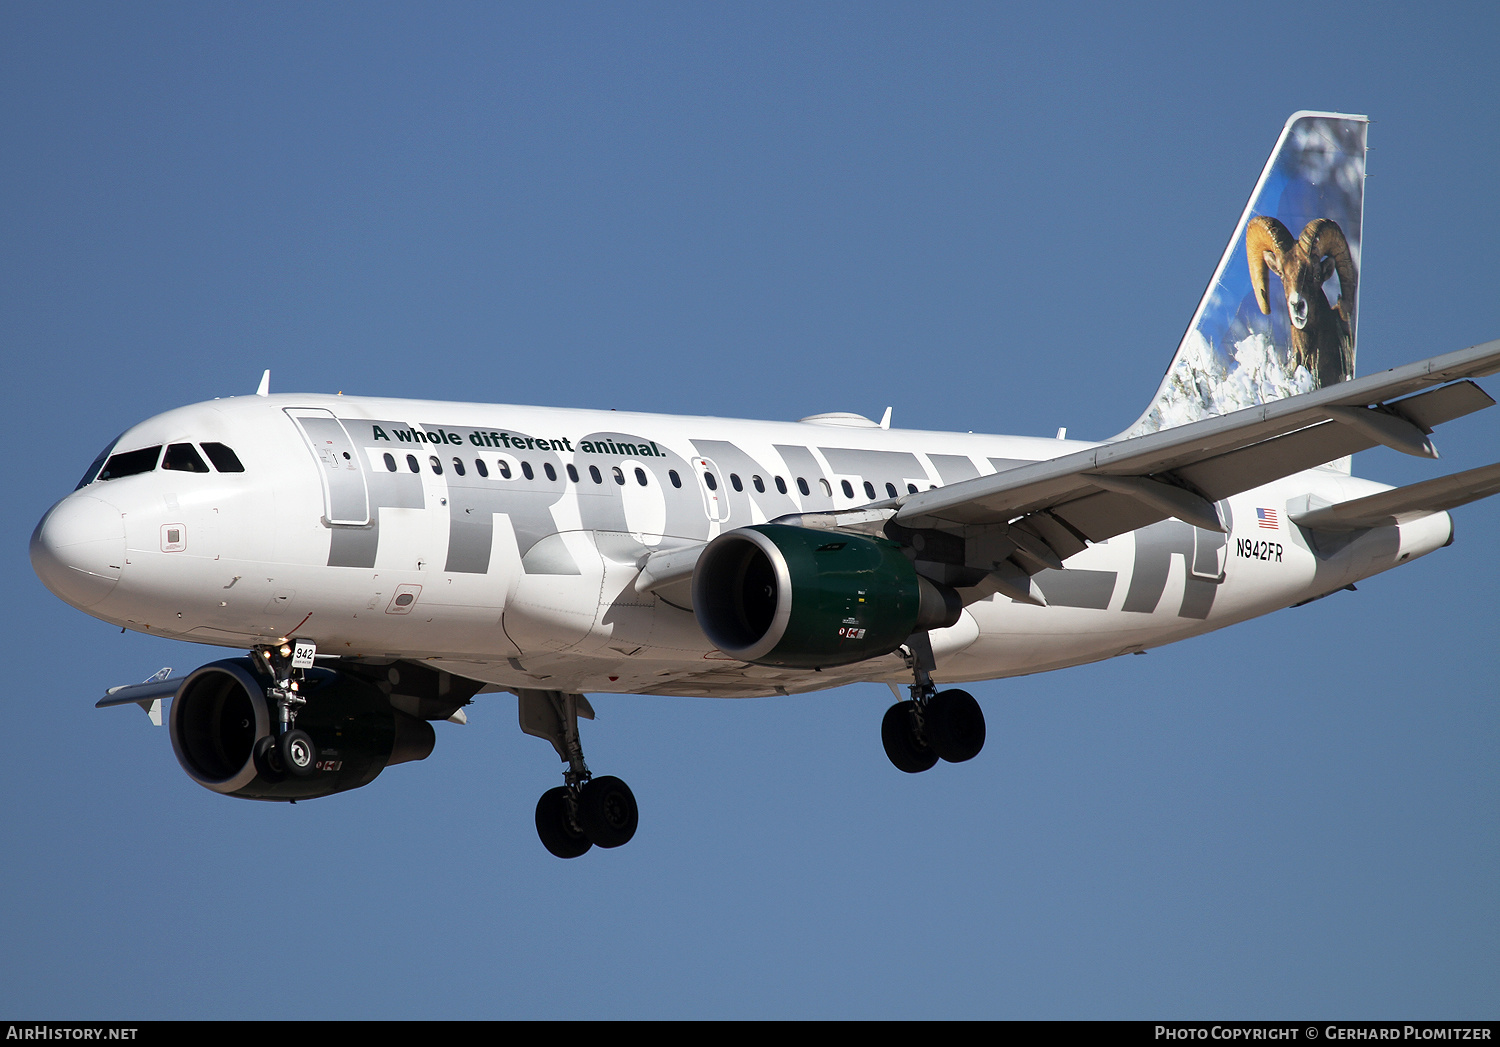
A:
{"x": 955, "y": 726}
{"x": 607, "y": 812}
{"x": 906, "y": 749}
{"x": 552, "y": 825}
{"x": 268, "y": 761}
{"x": 298, "y": 754}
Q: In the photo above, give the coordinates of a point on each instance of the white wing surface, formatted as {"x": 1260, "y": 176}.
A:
{"x": 1117, "y": 487}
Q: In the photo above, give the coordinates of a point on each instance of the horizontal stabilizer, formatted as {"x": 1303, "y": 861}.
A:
{"x": 1098, "y": 493}
{"x": 1405, "y": 503}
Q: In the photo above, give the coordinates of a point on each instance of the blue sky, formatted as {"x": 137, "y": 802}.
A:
{"x": 991, "y": 218}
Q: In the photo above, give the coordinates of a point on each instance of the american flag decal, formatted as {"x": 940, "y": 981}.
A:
{"x": 1267, "y": 518}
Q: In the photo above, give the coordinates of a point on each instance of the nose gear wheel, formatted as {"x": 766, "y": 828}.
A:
{"x": 287, "y": 752}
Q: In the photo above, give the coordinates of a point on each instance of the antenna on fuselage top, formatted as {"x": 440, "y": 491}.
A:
{"x": 264, "y": 388}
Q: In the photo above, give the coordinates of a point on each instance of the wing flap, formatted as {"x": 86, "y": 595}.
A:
{"x": 1062, "y": 539}
{"x": 1213, "y": 457}
{"x": 1258, "y": 464}
{"x": 1106, "y": 514}
{"x": 1431, "y": 409}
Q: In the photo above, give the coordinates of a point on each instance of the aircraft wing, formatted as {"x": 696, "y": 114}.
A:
{"x": 1050, "y": 509}
{"x": 147, "y": 695}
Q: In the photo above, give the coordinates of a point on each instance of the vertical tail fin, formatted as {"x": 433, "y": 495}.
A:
{"x": 1279, "y": 315}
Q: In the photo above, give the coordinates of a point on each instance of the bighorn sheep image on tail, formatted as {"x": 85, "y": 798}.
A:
{"x": 1322, "y": 334}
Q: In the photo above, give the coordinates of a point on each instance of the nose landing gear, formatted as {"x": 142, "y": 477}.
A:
{"x": 932, "y": 724}
{"x": 288, "y": 751}
{"x": 586, "y": 810}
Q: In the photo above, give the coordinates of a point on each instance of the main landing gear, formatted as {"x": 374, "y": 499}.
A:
{"x": 585, "y": 810}
{"x": 932, "y": 725}
{"x": 287, "y": 751}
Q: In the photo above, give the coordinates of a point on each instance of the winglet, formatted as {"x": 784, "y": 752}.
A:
{"x": 147, "y": 695}
{"x": 264, "y": 389}
{"x": 885, "y": 419}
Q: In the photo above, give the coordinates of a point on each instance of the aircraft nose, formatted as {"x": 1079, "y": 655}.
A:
{"x": 78, "y": 549}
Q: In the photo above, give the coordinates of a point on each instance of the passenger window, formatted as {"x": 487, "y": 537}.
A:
{"x": 131, "y": 463}
{"x": 759, "y": 484}
{"x": 411, "y": 463}
{"x": 911, "y": 488}
{"x": 480, "y": 467}
{"x": 676, "y": 480}
{"x": 594, "y": 474}
{"x": 827, "y": 490}
{"x": 848, "y": 488}
{"x": 390, "y": 462}
{"x": 437, "y": 466}
{"x": 504, "y": 468}
{"x": 890, "y": 490}
{"x": 802, "y": 486}
{"x": 526, "y": 471}
{"x": 224, "y": 459}
{"x": 713, "y": 484}
{"x": 551, "y": 472}
{"x": 458, "y": 466}
{"x": 869, "y": 490}
{"x": 619, "y": 476}
{"x": 781, "y": 485}
{"x": 184, "y": 458}
{"x": 640, "y": 476}
{"x": 734, "y": 481}
{"x": 572, "y": 472}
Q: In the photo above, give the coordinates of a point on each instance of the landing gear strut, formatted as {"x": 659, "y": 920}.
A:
{"x": 585, "y": 810}
{"x": 288, "y": 751}
{"x": 932, "y": 724}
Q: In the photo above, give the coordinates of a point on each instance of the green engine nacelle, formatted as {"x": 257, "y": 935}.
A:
{"x": 773, "y": 594}
{"x": 221, "y": 712}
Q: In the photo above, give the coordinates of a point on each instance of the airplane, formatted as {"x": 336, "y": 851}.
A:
{"x": 383, "y": 562}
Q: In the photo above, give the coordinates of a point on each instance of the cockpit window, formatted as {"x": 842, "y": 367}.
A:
{"x": 93, "y": 470}
{"x": 184, "y": 457}
{"x": 130, "y": 463}
{"x": 225, "y": 460}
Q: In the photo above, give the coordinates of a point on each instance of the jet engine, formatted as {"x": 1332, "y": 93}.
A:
{"x": 774, "y": 594}
{"x": 221, "y": 715}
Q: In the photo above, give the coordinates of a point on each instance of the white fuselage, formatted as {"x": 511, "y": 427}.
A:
{"x": 503, "y": 543}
